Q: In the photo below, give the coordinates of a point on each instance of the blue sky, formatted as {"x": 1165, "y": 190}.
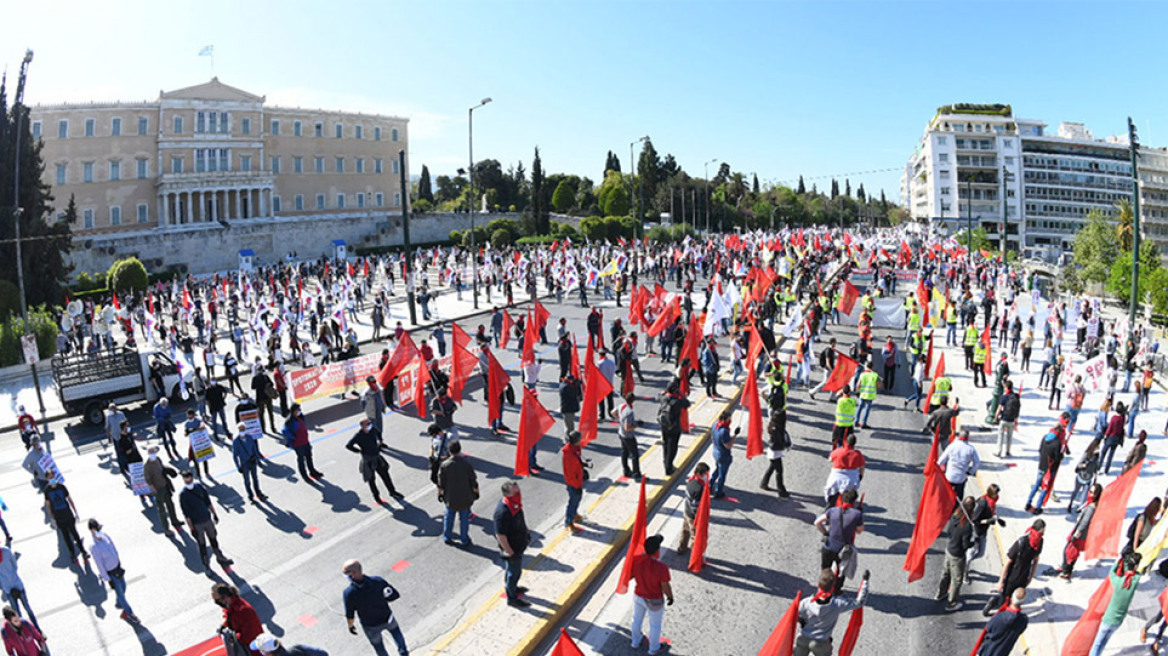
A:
{"x": 779, "y": 88}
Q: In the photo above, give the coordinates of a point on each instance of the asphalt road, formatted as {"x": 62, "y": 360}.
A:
{"x": 288, "y": 550}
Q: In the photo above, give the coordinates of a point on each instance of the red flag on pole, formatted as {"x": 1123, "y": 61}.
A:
{"x": 403, "y": 354}
{"x": 576, "y": 356}
{"x": 565, "y": 646}
{"x": 541, "y": 315}
{"x": 421, "y": 379}
{"x": 508, "y": 325}
{"x": 923, "y": 301}
{"x": 841, "y": 374}
{"x": 933, "y": 384}
{"x": 459, "y": 336}
{"x": 753, "y": 403}
{"x": 782, "y": 640}
{"x": 1104, "y": 533}
{"x": 636, "y": 543}
{"x": 497, "y": 381}
{"x": 988, "y": 341}
{"x": 671, "y": 313}
{"x": 530, "y": 335}
{"x": 534, "y": 423}
{"x": 596, "y": 389}
{"x": 1082, "y": 636}
{"x": 853, "y": 633}
{"x": 697, "y": 557}
{"x": 462, "y": 365}
{"x": 937, "y": 501}
{"x": 848, "y": 297}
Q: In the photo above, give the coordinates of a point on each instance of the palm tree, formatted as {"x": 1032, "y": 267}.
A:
{"x": 1125, "y": 225}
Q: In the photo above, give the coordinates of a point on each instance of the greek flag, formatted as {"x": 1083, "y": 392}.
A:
{"x": 207, "y": 51}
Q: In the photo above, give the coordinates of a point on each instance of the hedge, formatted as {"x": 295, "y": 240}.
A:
{"x": 44, "y": 326}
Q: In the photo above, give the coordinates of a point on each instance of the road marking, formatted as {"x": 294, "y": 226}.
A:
{"x": 311, "y": 530}
{"x": 400, "y": 566}
{"x": 307, "y": 620}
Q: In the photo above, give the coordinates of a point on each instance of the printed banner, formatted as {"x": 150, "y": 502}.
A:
{"x": 201, "y": 445}
{"x": 52, "y": 473}
{"x": 333, "y": 378}
{"x": 1093, "y": 327}
{"x": 907, "y": 275}
{"x": 251, "y": 420}
{"x": 138, "y": 479}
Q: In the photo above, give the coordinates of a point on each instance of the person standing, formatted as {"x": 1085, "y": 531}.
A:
{"x": 367, "y": 599}
{"x": 983, "y": 516}
{"x": 158, "y": 478}
{"x": 723, "y": 452}
{"x": 574, "y": 477}
{"x": 164, "y": 425}
{"x": 1124, "y": 578}
{"x": 1050, "y": 456}
{"x": 11, "y": 585}
{"x": 960, "y": 461}
{"x": 819, "y": 614}
{"x": 571, "y": 395}
{"x": 1077, "y": 538}
{"x": 296, "y": 435}
{"x": 63, "y": 516}
{"x": 443, "y": 408}
{"x": 847, "y": 470}
{"x": 109, "y": 568}
{"x": 373, "y": 404}
{"x": 1006, "y": 418}
{"x": 627, "y": 432}
{"x": 128, "y": 453}
{"x": 239, "y": 617}
{"x": 280, "y": 380}
{"x": 669, "y": 419}
{"x": 513, "y": 537}
{"x": 694, "y": 488}
{"x": 869, "y": 383}
{"x": 961, "y": 540}
{"x": 1005, "y": 627}
{"x": 779, "y": 443}
{"x": 652, "y": 593}
{"x": 216, "y": 407}
{"x": 21, "y": 638}
{"x": 367, "y": 443}
{"x": 201, "y": 519}
{"x": 245, "y": 451}
{"x": 889, "y": 354}
{"x": 845, "y": 417}
{"x": 1021, "y": 563}
{"x": 458, "y": 488}
{"x": 113, "y": 423}
{"x": 710, "y": 366}
{"x": 1112, "y": 437}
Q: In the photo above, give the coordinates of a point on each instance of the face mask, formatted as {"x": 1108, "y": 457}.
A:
{"x": 153, "y": 456}
{"x": 190, "y": 486}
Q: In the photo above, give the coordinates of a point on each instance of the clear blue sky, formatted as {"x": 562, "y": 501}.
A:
{"x": 778, "y": 88}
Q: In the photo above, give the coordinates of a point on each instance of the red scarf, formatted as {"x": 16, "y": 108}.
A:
{"x": 821, "y": 596}
{"x": 1127, "y": 576}
{"x": 514, "y": 503}
{"x": 991, "y": 503}
{"x": 1035, "y": 538}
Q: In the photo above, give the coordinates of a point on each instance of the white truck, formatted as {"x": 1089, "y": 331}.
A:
{"x": 87, "y": 384}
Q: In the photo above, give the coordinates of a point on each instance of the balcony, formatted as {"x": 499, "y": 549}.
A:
{"x": 215, "y": 180}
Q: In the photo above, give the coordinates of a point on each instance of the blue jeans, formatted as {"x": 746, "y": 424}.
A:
{"x": 463, "y": 524}
{"x": 373, "y": 634}
{"x": 574, "y": 496}
{"x": 250, "y": 477}
{"x": 216, "y": 418}
{"x": 1074, "y": 417}
{"x": 512, "y": 569}
{"x": 1103, "y": 637}
{"x": 951, "y": 335}
{"x": 15, "y": 603}
{"x": 119, "y": 586}
{"x": 531, "y": 455}
{"x": 1108, "y": 452}
{"x": 1036, "y": 489}
{"x": 864, "y": 411}
{"x": 718, "y": 480}
{"x": 916, "y": 395}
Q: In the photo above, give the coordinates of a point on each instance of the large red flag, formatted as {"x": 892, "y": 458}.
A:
{"x": 929, "y": 355}
{"x": 576, "y": 356}
{"x": 541, "y": 315}
{"x": 403, "y": 354}
{"x": 923, "y": 301}
{"x": 637, "y": 301}
{"x": 1104, "y": 533}
{"x": 534, "y": 423}
{"x": 462, "y": 365}
{"x": 933, "y": 384}
{"x": 754, "y": 410}
{"x": 841, "y": 375}
{"x": 458, "y": 335}
{"x": 697, "y": 557}
{"x": 508, "y": 326}
{"x": 671, "y": 313}
{"x": 497, "y": 380}
{"x": 565, "y": 646}
{"x": 937, "y": 501}
{"x": 596, "y": 389}
{"x": 421, "y": 379}
{"x": 1082, "y": 636}
{"x": 848, "y": 297}
{"x": 530, "y": 334}
{"x": 636, "y": 543}
{"x": 782, "y": 640}
{"x": 853, "y": 633}
{"x": 987, "y": 340}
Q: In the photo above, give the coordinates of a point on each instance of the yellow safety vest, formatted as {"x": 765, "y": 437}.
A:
{"x": 970, "y": 335}
{"x": 979, "y": 353}
{"x": 941, "y": 388}
{"x": 845, "y": 412}
{"x": 951, "y": 314}
{"x": 868, "y": 385}
{"x": 914, "y": 321}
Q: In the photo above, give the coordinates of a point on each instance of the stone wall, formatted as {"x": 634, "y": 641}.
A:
{"x": 206, "y": 248}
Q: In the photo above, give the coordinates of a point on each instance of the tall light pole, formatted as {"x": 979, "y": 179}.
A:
{"x": 18, "y": 211}
{"x": 707, "y": 166}
{"x": 969, "y": 217}
{"x": 1134, "y": 142}
{"x": 1006, "y": 178}
{"x": 474, "y": 256}
{"x": 632, "y": 178}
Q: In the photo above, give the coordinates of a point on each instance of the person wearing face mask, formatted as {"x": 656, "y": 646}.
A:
{"x": 21, "y": 638}
{"x": 296, "y": 436}
{"x": 158, "y": 478}
{"x": 239, "y": 618}
{"x": 513, "y": 537}
{"x": 367, "y": 598}
{"x": 367, "y": 443}
{"x": 201, "y": 519}
{"x": 246, "y": 453}
{"x": 269, "y": 645}
{"x": 109, "y": 568}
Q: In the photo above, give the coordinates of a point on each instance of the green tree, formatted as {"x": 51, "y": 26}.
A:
{"x": 1095, "y": 248}
{"x": 1158, "y": 286}
{"x": 450, "y": 189}
{"x": 648, "y": 172}
{"x": 834, "y": 188}
{"x": 501, "y": 239}
{"x": 1125, "y": 226}
{"x": 128, "y": 275}
{"x": 802, "y": 189}
{"x": 754, "y": 184}
{"x": 424, "y": 190}
{"x": 847, "y": 187}
{"x": 613, "y": 195}
{"x": 539, "y": 210}
{"x": 1119, "y": 279}
{"x": 860, "y": 195}
{"x": 980, "y": 240}
{"x": 564, "y": 198}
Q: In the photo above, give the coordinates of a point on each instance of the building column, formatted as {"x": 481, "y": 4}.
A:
{"x": 186, "y": 206}
{"x": 161, "y": 211}
{"x": 263, "y": 203}
{"x": 233, "y": 194}
{"x": 201, "y": 202}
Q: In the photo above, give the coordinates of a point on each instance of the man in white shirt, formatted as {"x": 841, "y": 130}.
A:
{"x": 960, "y": 461}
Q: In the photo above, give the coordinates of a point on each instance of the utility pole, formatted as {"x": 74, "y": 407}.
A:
{"x": 636, "y": 198}
{"x": 405, "y": 208}
{"x": 1134, "y": 140}
{"x": 474, "y": 254}
{"x": 1006, "y": 177}
{"x": 707, "y": 165}
{"x": 969, "y": 217}
{"x": 18, "y": 211}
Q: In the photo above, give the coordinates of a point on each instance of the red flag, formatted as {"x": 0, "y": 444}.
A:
{"x": 497, "y": 381}
{"x": 403, "y": 354}
{"x": 508, "y": 326}
{"x": 541, "y": 315}
{"x": 988, "y": 341}
{"x": 459, "y": 336}
{"x": 534, "y": 423}
{"x": 366, "y": 268}
{"x": 576, "y": 356}
{"x": 462, "y": 364}
{"x": 697, "y": 557}
{"x": 637, "y": 302}
{"x": 565, "y": 646}
{"x": 530, "y": 335}
{"x": 117, "y": 306}
{"x": 596, "y": 389}
{"x": 225, "y": 286}
{"x": 1082, "y": 636}
{"x": 149, "y": 302}
{"x": 421, "y": 379}
{"x": 349, "y": 269}
{"x": 186, "y": 299}
{"x": 853, "y": 633}
{"x": 923, "y": 301}
{"x": 753, "y": 403}
{"x": 671, "y": 313}
{"x": 933, "y": 384}
{"x": 636, "y": 543}
{"x": 937, "y": 501}
{"x": 848, "y": 297}
{"x": 841, "y": 375}
{"x": 782, "y": 640}
{"x": 1104, "y": 533}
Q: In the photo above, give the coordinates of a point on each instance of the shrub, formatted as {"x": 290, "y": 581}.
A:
{"x": 85, "y": 282}
{"x": 128, "y": 275}
{"x": 9, "y": 299}
{"x": 456, "y": 236}
{"x": 535, "y": 240}
{"x": 501, "y": 239}
{"x": 42, "y": 325}
{"x": 564, "y": 230}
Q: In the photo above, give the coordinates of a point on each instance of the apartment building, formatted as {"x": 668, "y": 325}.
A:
{"x": 210, "y": 155}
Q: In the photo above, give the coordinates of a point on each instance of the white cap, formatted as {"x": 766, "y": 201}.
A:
{"x": 265, "y": 642}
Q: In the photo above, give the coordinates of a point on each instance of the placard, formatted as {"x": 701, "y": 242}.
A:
{"x": 49, "y": 466}
{"x": 251, "y": 421}
{"x": 201, "y": 445}
{"x": 138, "y": 480}
{"x": 1093, "y": 327}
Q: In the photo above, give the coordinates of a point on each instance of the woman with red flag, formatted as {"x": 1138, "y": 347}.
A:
{"x": 819, "y": 614}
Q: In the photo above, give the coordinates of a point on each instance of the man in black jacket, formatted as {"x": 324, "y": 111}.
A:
{"x": 669, "y": 418}
{"x": 367, "y": 442}
{"x": 513, "y": 537}
{"x": 1008, "y": 411}
{"x": 961, "y": 538}
{"x": 571, "y": 394}
{"x": 458, "y": 487}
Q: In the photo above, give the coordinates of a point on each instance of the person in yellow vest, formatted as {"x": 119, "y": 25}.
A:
{"x": 910, "y": 304}
{"x": 967, "y": 345}
{"x": 868, "y": 303}
{"x": 951, "y": 322}
{"x": 915, "y": 346}
{"x": 914, "y": 323}
{"x": 869, "y": 381}
{"x": 942, "y": 387}
{"x": 845, "y": 417}
{"x": 979, "y": 358}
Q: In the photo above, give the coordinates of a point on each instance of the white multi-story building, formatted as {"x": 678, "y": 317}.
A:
{"x": 978, "y": 164}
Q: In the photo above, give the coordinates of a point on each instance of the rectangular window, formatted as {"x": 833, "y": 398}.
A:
{"x": 944, "y": 175}
{"x": 318, "y": 164}
{"x": 397, "y": 199}
{"x": 212, "y": 161}
{"x": 89, "y": 127}
{"x": 297, "y": 129}
{"x": 200, "y": 161}
{"x": 224, "y": 159}
{"x": 320, "y": 201}
{"x": 36, "y": 130}
{"x": 116, "y": 127}
{"x": 360, "y": 165}
{"x": 358, "y": 132}
{"x": 201, "y": 122}
{"x": 942, "y": 140}
{"x": 396, "y": 167}
{"x": 340, "y": 164}
{"x": 87, "y": 172}
{"x": 275, "y": 128}
{"x": 318, "y": 129}
{"x": 298, "y": 202}
{"x": 142, "y": 169}
{"x": 377, "y": 165}
{"x": 142, "y": 125}
{"x": 87, "y": 219}
{"x": 944, "y": 157}
{"x": 176, "y": 165}
{"x": 945, "y": 191}
{"x": 275, "y": 203}
{"x": 393, "y": 134}
{"x": 297, "y": 164}
{"x": 115, "y": 170}
{"x": 60, "y": 174}
{"x": 223, "y": 127}
{"x": 379, "y": 199}
{"x": 213, "y": 122}
{"x": 245, "y": 162}
{"x": 115, "y": 215}
{"x": 360, "y": 200}
{"x": 178, "y": 126}
{"x": 1008, "y": 143}
{"x": 63, "y": 129}
{"x": 340, "y": 130}
{"x": 340, "y": 201}
{"x": 245, "y": 126}
{"x": 276, "y": 165}
{"x": 376, "y": 133}
{"x": 143, "y": 212}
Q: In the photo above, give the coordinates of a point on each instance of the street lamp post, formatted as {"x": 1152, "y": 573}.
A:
{"x": 632, "y": 180}
{"x": 474, "y": 257}
{"x": 707, "y": 166}
{"x": 1006, "y": 177}
{"x": 969, "y": 218}
{"x": 18, "y": 211}
{"x": 1134, "y": 143}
